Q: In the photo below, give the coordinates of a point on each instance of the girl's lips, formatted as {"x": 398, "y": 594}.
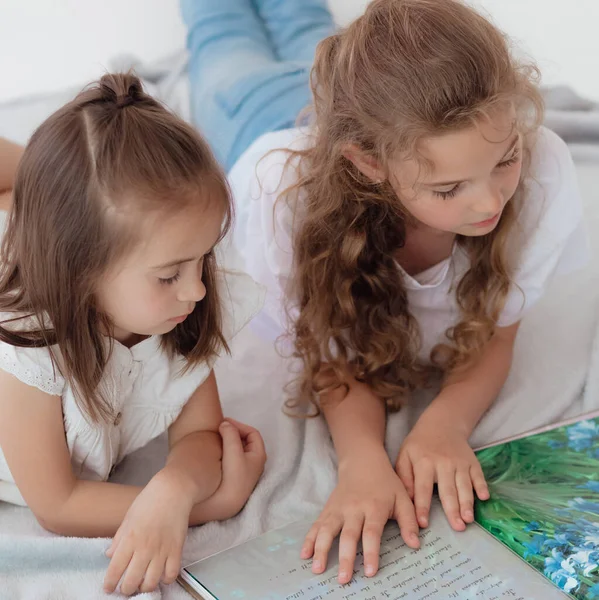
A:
{"x": 488, "y": 222}
{"x": 179, "y": 319}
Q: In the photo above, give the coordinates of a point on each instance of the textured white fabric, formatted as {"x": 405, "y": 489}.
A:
{"x": 549, "y": 225}
{"x": 144, "y": 388}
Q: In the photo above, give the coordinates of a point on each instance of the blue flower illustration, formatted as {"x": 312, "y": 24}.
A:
{"x": 582, "y": 436}
{"x": 535, "y": 546}
{"x": 590, "y": 485}
{"x": 561, "y": 572}
{"x": 582, "y": 505}
{"x": 532, "y": 526}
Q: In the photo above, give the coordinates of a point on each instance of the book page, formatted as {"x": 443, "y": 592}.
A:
{"x": 448, "y": 565}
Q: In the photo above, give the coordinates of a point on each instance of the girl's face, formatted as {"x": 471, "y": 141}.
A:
{"x": 474, "y": 173}
{"x": 157, "y": 285}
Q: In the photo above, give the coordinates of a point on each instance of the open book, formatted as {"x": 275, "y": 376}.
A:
{"x": 543, "y": 513}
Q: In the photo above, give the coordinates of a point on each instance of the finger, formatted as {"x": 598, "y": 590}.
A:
{"x": 371, "y": 542}
{"x": 423, "y": 492}
{"x": 449, "y": 497}
{"x": 348, "y": 547}
{"x": 232, "y": 443}
{"x": 135, "y": 573}
{"x": 153, "y": 575}
{"x": 254, "y": 444}
{"x": 243, "y": 428}
{"x": 309, "y": 540}
{"x": 114, "y": 544}
{"x": 463, "y": 484}
{"x": 118, "y": 565}
{"x": 324, "y": 540}
{"x": 406, "y": 518}
{"x": 405, "y": 470}
{"x": 478, "y": 482}
{"x": 172, "y": 568}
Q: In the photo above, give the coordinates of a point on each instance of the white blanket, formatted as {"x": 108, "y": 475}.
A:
{"x": 557, "y": 344}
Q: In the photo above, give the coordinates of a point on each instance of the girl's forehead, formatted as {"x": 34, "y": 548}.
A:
{"x": 189, "y": 233}
{"x": 461, "y": 155}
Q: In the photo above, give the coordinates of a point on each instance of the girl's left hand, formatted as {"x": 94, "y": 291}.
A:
{"x": 147, "y": 546}
{"x": 438, "y": 453}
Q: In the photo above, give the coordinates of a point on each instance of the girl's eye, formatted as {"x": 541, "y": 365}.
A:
{"x": 510, "y": 161}
{"x": 170, "y": 280}
{"x": 449, "y": 194}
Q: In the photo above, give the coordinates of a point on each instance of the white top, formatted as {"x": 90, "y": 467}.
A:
{"x": 550, "y": 222}
{"x": 146, "y": 394}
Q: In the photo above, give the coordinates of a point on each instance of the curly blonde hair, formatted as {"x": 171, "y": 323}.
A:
{"x": 404, "y": 71}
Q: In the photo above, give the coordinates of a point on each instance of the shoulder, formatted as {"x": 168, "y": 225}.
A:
{"x": 553, "y": 196}
{"x": 269, "y": 161}
{"x": 550, "y": 232}
{"x": 32, "y": 366}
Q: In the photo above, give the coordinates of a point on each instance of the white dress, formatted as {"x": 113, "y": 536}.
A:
{"x": 550, "y": 222}
{"x": 146, "y": 391}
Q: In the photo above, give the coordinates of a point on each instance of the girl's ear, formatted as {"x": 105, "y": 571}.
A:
{"x": 366, "y": 164}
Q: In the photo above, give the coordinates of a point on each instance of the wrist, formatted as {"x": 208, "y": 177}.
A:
{"x": 179, "y": 486}
{"x": 444, "y": 414}
{"x": 361, "y": 455}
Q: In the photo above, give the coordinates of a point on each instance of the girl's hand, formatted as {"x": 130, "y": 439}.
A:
{"x": 441, "y": 454}
{"x": 147, "y": 546}
{"x": 368, "y": 494}
{"x": 244, "y": 458}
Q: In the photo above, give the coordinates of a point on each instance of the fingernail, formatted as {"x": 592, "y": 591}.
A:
{"x": 304, "y": 553}
{"x": 342, "y": 575}
{"x": 369, "y": 571}
{"x": 225, "y": 424}
{"x": 317, "y": 565}
{"x": 423, "y": 521}
{"x": 468, "y": 514}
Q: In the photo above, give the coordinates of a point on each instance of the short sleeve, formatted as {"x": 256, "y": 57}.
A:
{"x": 32, "y": 366}
{"x": 265, "y": 220}
{"x": 555, "y": 241}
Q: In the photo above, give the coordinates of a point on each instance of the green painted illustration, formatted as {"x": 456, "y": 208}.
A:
{"x": 545, "y": 503}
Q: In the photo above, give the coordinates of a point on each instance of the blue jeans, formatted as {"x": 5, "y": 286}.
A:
{"x": 249, "y": 66}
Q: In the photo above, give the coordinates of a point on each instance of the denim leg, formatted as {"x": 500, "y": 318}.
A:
{"x": 296, "y": 26}
{"x": 239, "y": 89}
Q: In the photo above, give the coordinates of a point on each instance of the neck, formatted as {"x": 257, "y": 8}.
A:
{"x": 424, "y": 248}
{"x": 126, "y": 338}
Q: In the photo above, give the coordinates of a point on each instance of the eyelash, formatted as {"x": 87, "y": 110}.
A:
{"x": 170, "y": 280}
{"x": 177, "y": 275}
{"x": 502, "y": 165}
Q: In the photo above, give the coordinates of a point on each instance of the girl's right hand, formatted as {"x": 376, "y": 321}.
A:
{"x": 147, "y": 546}
{"x": 368, "y": 494}
{"x": 244, "y": 457}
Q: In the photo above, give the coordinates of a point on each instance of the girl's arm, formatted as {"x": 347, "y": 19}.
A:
{"x": 356, "y": 421}
{"x": 467, "y": 395}
{"x": 368, "y": 492}
{"x": 194, "y": 460}
{"x": 437, "y": 449}
{"x": 33, "y": 441}
{"x": 10, "y": 154}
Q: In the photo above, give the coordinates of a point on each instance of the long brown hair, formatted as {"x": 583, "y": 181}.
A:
{"x": 112, "y": 148}
{"x": 405, "y": 70}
